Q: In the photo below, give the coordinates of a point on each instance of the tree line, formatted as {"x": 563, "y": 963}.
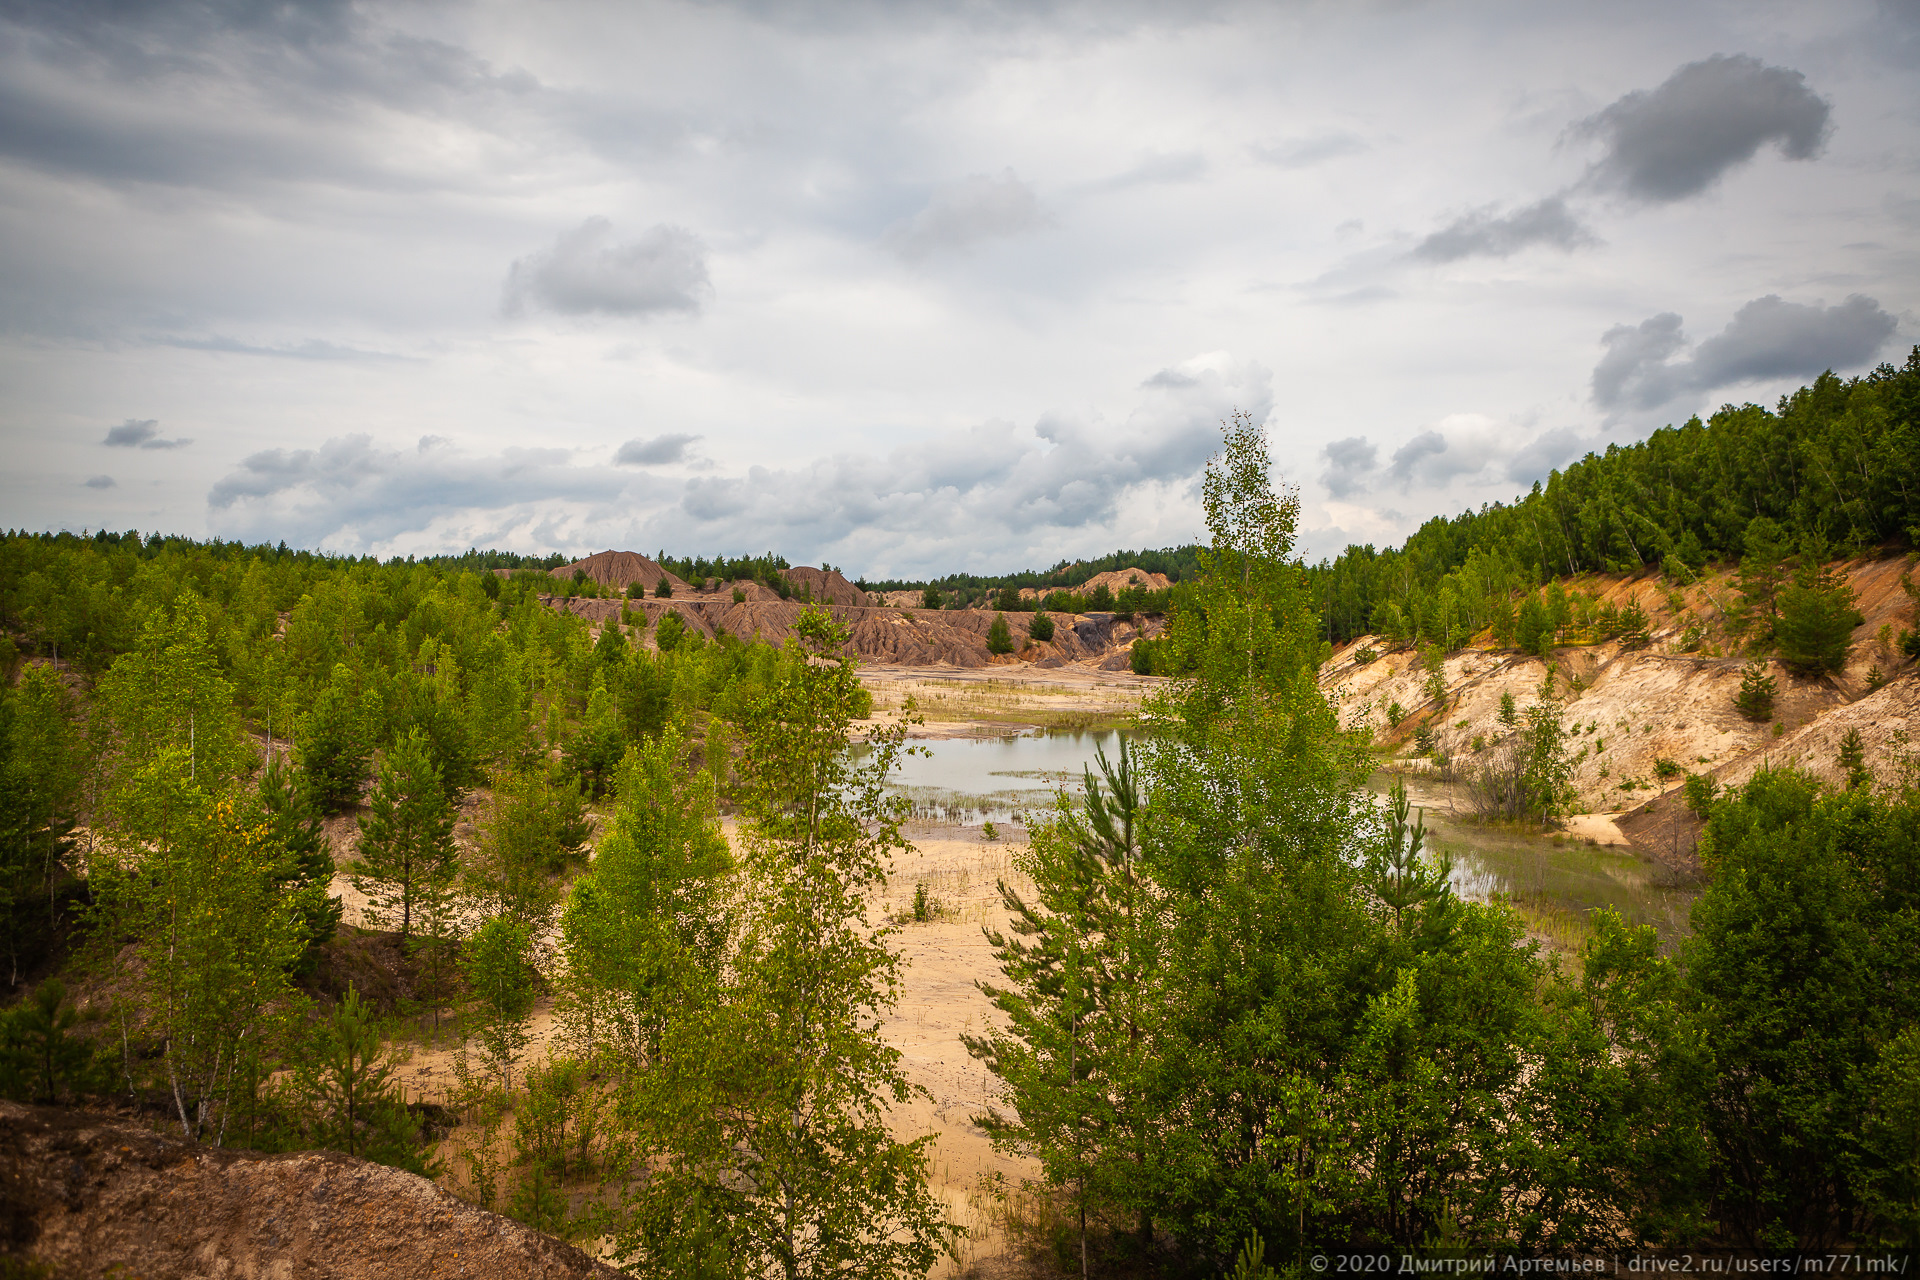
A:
{"x": 1832, "y": 469}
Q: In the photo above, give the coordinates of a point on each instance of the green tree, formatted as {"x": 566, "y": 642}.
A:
{"x": 663, "y": 589}
{"x": 347, "y": 1098}
{"x": 1805, "y": 965}
{"x": 406, "y": 861}
{"x": 1816, "y": 621}
{"x": 593, "y": 752}
{"x": 295, "y": 825}
{"x": 531, "y": 828}
{"x": 1853, "y": 760}
{"x": 767, "y": 1108}
{"x": 1101, "y": 600}
{"x": 41, "y": 774}
{"x": 169, "y": 694}
{"x": 1040, "y": 627}
{"x": 40, "y": 1059}
{"x": 999, "y": 638}
{"x": 501, "y": 979}
{"x": 668, "y": 632}
{"x": 332, "y": 741}
{"x": 1757, "y": 689}
{"x": 202, "y": 888}
{"x": 1762, "y": 570}
{"x": 1533, "y": 633}
{"x": 930, "y": 597}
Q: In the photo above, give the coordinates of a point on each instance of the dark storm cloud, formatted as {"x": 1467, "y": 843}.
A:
{"x": 587, "y": 270}
{"x": 140, "y": 433}
{"x": 1485, "y": 234}
{"x": 1349, "y": 462}
{"x": 962, "y": 215}
{"x": 1768, "y": 338}
{"x": 1677, "y": 140}
{"x": 1412, "y": 458}
{"x": 112, "y": 91}
{"x": 658, "y": 451}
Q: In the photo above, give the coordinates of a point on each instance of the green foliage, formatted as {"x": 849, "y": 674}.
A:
{"x": 500, "y": 977}
{"x": 407, "y": 864}
{"x": 1633, "y": 627}
{"x": 1395, "y": 714}
{"x": 999, "y": 639}
{"x": 1805, "y": 963}
{"x": 1853, "y": 760}
{"x": 930, "y": 597}
{"x": 532, "y": 827}
{"x": 344, "y": 1095}
{"x": 41, "y": 776}
{"x": 765, "y": 1111}
{"x": 1757, "y": 690}
{"x": 739, "y": 596}
{"x": 203, "y": 889}
{"x": 1836, "y": 458}
{"x": 669, "y": 631}
{"x": 1816, "y": 622}
{"x": 1700, "y": 791}
{"x": 333, "y": 741}
{"x": 663, "y": 590}
{"x": 1040, "y": 627}
{"x": 1508, "y": 715}
{"x": 294, "y": 824}
{"x": 40, "y": 1059}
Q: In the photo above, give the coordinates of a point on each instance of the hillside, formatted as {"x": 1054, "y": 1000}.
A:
{"x": 1628, "y": 710}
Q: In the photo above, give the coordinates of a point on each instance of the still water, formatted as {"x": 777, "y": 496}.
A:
{"x": 971, "y": 780}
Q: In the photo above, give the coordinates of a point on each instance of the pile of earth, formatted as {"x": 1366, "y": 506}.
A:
{"x": 89, "y": 1195}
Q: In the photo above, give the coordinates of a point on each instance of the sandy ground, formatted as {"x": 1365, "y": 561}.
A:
{"x": 961, "y": 702}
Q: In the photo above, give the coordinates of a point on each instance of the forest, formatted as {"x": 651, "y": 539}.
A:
{"x": 1833, "y": 469}
{"x": 1245, "y": 1016}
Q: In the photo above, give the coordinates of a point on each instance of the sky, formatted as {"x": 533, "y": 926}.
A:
{"x": 912, "y": 287}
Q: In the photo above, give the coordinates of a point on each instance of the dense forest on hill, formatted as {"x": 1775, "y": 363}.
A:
{"x": 962, "y": 589}
{"x": 1834, "y": 468}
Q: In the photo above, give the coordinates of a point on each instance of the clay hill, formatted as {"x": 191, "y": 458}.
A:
{"x": 1629, "y": 710}
{"x": 84, "y": 1195}
{"x": 894, "y": 634}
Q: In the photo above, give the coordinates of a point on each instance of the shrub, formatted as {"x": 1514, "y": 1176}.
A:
{"x": 663, "y": 589}
{"x": 1700, "y": 793}
{"x": 1101, "y": 601}
{"x": 1633, "y": 627}
{"x": 739, "y": 596}
{"x": 1666, "y": 770}
{"x": 1395, "y": 714}
{"x": 1423, "y": 739}
{"x": 1365, "y": 655}
{"x": 1040, "y": 628}
{"x": 999, "y": 639}
{"x": 1757, "y": 690}
{"x": 1141, "y": 657}
{"x": 1508, "y": 716}
{"x": 635, "y": 590}
{"x": 1853, "y": 761}
{"x": 1875, "y": 678}
{"x": 930, "y": 598}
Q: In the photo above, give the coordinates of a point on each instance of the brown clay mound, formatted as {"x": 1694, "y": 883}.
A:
{"x": 825, "y": 586}
{"x": 619, "y": 568}
{"x": 87, "y": 1196}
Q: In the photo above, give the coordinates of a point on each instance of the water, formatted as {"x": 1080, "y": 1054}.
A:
{"x": 975, "y": 780}
{"x": 972, "y": 780}
{"x": 1568, "y": 876}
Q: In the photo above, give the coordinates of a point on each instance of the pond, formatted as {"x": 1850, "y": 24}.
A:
{"x": 1555, "y": 882}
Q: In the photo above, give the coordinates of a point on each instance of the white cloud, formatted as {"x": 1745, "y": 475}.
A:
{"x": 963, "y": 215}
{"x": 587, "y": 270}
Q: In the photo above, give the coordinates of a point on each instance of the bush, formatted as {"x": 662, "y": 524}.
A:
{"x": 1666, "y": 770}
{"x": 635, "y": 591}
{"x": 1633, "y": 627}
{"x": 1395, "y": 714}
{"x": 930, "y": 598}
{"x": 1101, "y": 601}
{"x": 1757, "y": 689}
{"x": 663, "y": 589}
{"x": 999, "y": 639}
{"x": 1423, "y": 739}
{"x": 1141, "y": 657}
{"x": 739, "y": 596}
{"x": 1040, "y": 628}
{"x": 1701, "y": 791}
{"x": 1365, "y": 655}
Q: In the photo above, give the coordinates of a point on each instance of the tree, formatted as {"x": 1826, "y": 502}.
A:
{"x": 1074, "y": 1057}
{"x": 1853, "y": 761}
{"x": 201, "y": 887}
{"x": 501, "y": 979}
{"x": 332, "y": 742}
{"x": 1040, "y": 627}
{"x": 1762, "y": 570}
{"x": 40, "y": 1060}
{"x": 1533, "y": 633}
{"x": 532, "y": 826}
{"x": 930, "y": 597}
{"x": 346, "y": 1095}
{"x": 1816, "y": 621}
{"x": 406, "y": 862}
{"x": 663, "y": 589}
{"x": 290, "y": 816}
{"x": 999, "y": 639}
{"x": 1755, "y": 699}
{"x": 41, "y": 755}
{"x": 1101, "y": 600}
{"x": 766, "y": 1110}
{"x": 668, "y": 631}
{"x": 1805, "y": 966}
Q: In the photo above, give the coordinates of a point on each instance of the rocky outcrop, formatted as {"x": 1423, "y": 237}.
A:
{"x": 84, "y": 1195}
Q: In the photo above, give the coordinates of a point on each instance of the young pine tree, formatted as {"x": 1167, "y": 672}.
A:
{"x": 406, "y": 864}
{"x": 999, "y": 638}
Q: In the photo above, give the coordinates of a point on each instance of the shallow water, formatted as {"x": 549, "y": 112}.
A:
{"x": 1571, "y": 875}
{"x": 973, "y": 780}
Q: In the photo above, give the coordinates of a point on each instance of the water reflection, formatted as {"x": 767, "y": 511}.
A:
{"x": 975, "y": 780}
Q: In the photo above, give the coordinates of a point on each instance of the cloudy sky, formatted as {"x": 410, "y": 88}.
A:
{"x": 912, "y": 286}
